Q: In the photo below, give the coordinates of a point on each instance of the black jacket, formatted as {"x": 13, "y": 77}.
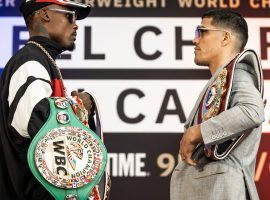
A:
{"x": 27, "y": 79}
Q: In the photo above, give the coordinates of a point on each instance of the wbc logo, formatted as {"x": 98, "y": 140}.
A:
{"x": 74, "y": 153}
{"x": 68, "y": 157}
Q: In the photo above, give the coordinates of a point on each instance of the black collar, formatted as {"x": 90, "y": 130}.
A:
{"x": 53, "y": 48}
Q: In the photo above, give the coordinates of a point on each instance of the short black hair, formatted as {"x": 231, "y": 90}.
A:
{"x": 226, "y": 18}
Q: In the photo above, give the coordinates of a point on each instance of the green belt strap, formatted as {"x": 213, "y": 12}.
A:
{"x": 65, "y": 156}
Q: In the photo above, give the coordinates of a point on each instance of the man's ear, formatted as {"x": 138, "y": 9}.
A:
{"x": 43, "y": 14}
{"x": 227, "y": 38}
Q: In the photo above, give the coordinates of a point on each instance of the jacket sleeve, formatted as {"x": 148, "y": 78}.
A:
{"x": 246, "y": 109}
{"x": 28, "y": 87}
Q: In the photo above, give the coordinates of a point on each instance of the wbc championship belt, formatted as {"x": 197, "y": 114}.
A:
{"x": 65, "y": 156}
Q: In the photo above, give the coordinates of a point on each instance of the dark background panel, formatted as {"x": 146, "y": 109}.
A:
{"x": 141, "y": 74}
{"x": 263, "y": 158}
{"x": 153, "y": 144}
{"x": 155, "y": 187}
{"x": 173, "y": 9}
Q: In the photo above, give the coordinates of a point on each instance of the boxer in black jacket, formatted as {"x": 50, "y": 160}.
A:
{"x": 29, "y": 77}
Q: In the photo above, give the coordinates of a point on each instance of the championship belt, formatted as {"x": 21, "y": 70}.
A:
{"x": 65, "y": 156}
{"x": 217, "y": 98}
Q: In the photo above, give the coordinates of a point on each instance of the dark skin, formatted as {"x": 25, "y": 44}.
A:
{"x": 56, "y": 26}
{"x": 85, "y": 97}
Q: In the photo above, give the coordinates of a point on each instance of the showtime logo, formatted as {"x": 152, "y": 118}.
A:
{"x": 127, "y": 164}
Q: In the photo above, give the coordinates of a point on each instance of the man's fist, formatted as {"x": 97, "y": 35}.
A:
{"x": 87, "y": 100}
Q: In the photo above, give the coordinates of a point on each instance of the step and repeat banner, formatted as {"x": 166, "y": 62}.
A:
{"x": 136, "y": 57}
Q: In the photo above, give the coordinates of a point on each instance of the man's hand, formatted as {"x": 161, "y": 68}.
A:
{"x": 87, "y": 102}
{"x": 191, "y": 138}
